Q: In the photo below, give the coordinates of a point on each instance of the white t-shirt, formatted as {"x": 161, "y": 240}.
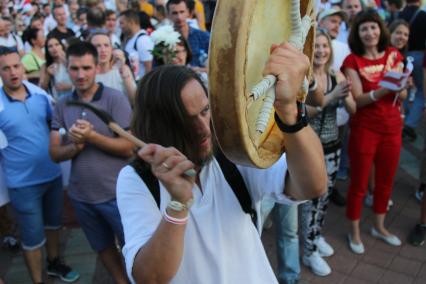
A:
{"x": 221, "y": 243}
{"x": 343, "y": 33}
{"x": 340, "y": 51}
{"x": 49, "y": 24}
{"x": 144, "y": 46}
{"x": 113, "y": 80}
{"x": 12, "y": 41}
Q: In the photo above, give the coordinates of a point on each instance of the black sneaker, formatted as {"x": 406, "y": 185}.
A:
{"x": 409, "y": 132}
{"x": 337, "y": 198}
{"x": 58, "y": 269}
{"x": 10, "y": 242}
{"x": 417, "y": 235}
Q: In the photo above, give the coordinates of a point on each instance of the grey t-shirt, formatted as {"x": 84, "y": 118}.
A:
{"x": 94, "y": 172}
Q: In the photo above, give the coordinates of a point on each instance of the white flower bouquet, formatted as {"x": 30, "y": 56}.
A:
{"x": 165, "y": 39}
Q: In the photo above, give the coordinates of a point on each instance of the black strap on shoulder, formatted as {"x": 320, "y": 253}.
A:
{"x": 135, "y": 45}
{"x": 333, "y": 81}
{"x": 229, "y": 170}
{"x": 144, "y": 171}
{"x": 236, "y": 182}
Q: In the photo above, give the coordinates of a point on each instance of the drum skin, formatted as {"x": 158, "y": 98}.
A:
{"x": 242, "y": 34}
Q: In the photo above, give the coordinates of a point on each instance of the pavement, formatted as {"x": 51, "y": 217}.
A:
{"x": 380, "y": 264}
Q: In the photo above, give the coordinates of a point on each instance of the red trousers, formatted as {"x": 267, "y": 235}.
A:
{"x": 366, "y": 148}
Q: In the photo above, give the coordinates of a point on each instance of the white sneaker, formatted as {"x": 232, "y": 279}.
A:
{"x": 317, "y": 264}
{"x": 324, "y": 248}
{"x": 368, "y": 201}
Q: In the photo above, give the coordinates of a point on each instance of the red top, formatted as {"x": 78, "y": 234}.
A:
{"x": 381, "y": 116}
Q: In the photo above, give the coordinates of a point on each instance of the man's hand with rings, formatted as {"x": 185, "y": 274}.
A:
{"x": 169, "y": 166}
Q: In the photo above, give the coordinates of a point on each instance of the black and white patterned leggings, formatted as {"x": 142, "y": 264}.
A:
{"x": 313, "y": 212}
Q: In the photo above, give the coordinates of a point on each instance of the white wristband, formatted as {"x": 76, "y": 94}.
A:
{"x": 372, "y": 96}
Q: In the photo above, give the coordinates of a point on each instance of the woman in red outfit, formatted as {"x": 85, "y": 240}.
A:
{"x": 375, "y": 136}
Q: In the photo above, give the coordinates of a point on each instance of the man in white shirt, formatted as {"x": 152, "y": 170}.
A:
{"x": 9, "y": 39}
{"x": 49, "y": 21}
{"x": 212, "y": 241}
{"x": 330, "y": 20}
{"x": 139, "y": 42}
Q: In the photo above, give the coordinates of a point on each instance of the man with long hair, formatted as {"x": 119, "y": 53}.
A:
{"x": 195, "y": 229}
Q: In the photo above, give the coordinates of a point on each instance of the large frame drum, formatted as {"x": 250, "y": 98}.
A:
{"x": 242, "y": 34}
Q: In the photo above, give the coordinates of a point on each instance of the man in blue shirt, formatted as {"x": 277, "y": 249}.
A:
{"x": 178, "y": 12}
{"x": 33, "y": 179}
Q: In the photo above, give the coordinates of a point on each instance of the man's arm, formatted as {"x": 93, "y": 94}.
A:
{"x": 305, "y": 158}
{"x": 144, "y": 47}
{"x": 158, "y": 260}
{"x": 59, "y": 152}
{"x": 147, "y": 65}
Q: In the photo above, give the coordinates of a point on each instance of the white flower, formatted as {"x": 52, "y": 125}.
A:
{"x": 167, "y": 35}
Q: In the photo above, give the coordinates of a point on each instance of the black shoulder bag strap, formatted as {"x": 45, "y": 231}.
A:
{"x": 229, "y": 169}
{"x": 145, "y": 173}
{"x": 236, "y": 182}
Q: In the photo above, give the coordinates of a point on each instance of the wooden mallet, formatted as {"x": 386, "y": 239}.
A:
{"x": 108, "y": 120}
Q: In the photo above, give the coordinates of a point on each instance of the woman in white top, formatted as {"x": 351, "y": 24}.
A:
{"x": 113, "y": 72}
{"x": 54, "y": 76}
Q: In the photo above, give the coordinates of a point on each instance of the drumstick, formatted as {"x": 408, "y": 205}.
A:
{"x": 109, "y": 121}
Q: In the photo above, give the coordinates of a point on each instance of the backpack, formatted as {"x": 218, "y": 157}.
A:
{"x": 229, "y": 170}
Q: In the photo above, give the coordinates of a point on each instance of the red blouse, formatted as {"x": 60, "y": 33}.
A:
{"x": 381, "y": 116}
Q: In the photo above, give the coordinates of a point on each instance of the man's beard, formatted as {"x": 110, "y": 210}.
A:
{"x": 205, "y": 160}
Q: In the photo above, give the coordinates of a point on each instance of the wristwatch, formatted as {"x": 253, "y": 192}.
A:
{"x": 302, "y": 120}
{"x": 178, "y": 206}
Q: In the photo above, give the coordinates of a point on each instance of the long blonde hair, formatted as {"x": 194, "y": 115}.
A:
{"x": 329, "y": 63}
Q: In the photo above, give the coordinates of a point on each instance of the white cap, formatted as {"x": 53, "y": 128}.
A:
{"x": 330, "y": 12}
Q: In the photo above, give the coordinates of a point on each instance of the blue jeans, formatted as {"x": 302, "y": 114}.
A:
{"x": 285, "y": 220}
{"x": 414, "y": 113}
{"x": 101, "y": 223}
{"x": 37, "y": 208}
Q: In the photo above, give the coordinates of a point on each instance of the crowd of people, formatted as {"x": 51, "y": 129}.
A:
{"x": 144, "y": 63}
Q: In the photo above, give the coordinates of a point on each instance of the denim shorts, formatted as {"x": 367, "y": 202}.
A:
{"x": 37, "y": 208}
{"x": 100, "y": 222}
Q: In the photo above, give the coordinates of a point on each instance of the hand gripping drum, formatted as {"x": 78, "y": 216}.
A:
{"x": 241, "y": 98}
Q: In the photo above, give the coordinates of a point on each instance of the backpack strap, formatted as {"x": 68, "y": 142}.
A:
{"x": 135, "y": 45}
{"x": 236, "y": 182}
{"x": 229, "y": 170}
{"x": 145, "y": 173}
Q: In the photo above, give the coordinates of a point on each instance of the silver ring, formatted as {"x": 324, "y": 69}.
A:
{"x": 165, "y": 165}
